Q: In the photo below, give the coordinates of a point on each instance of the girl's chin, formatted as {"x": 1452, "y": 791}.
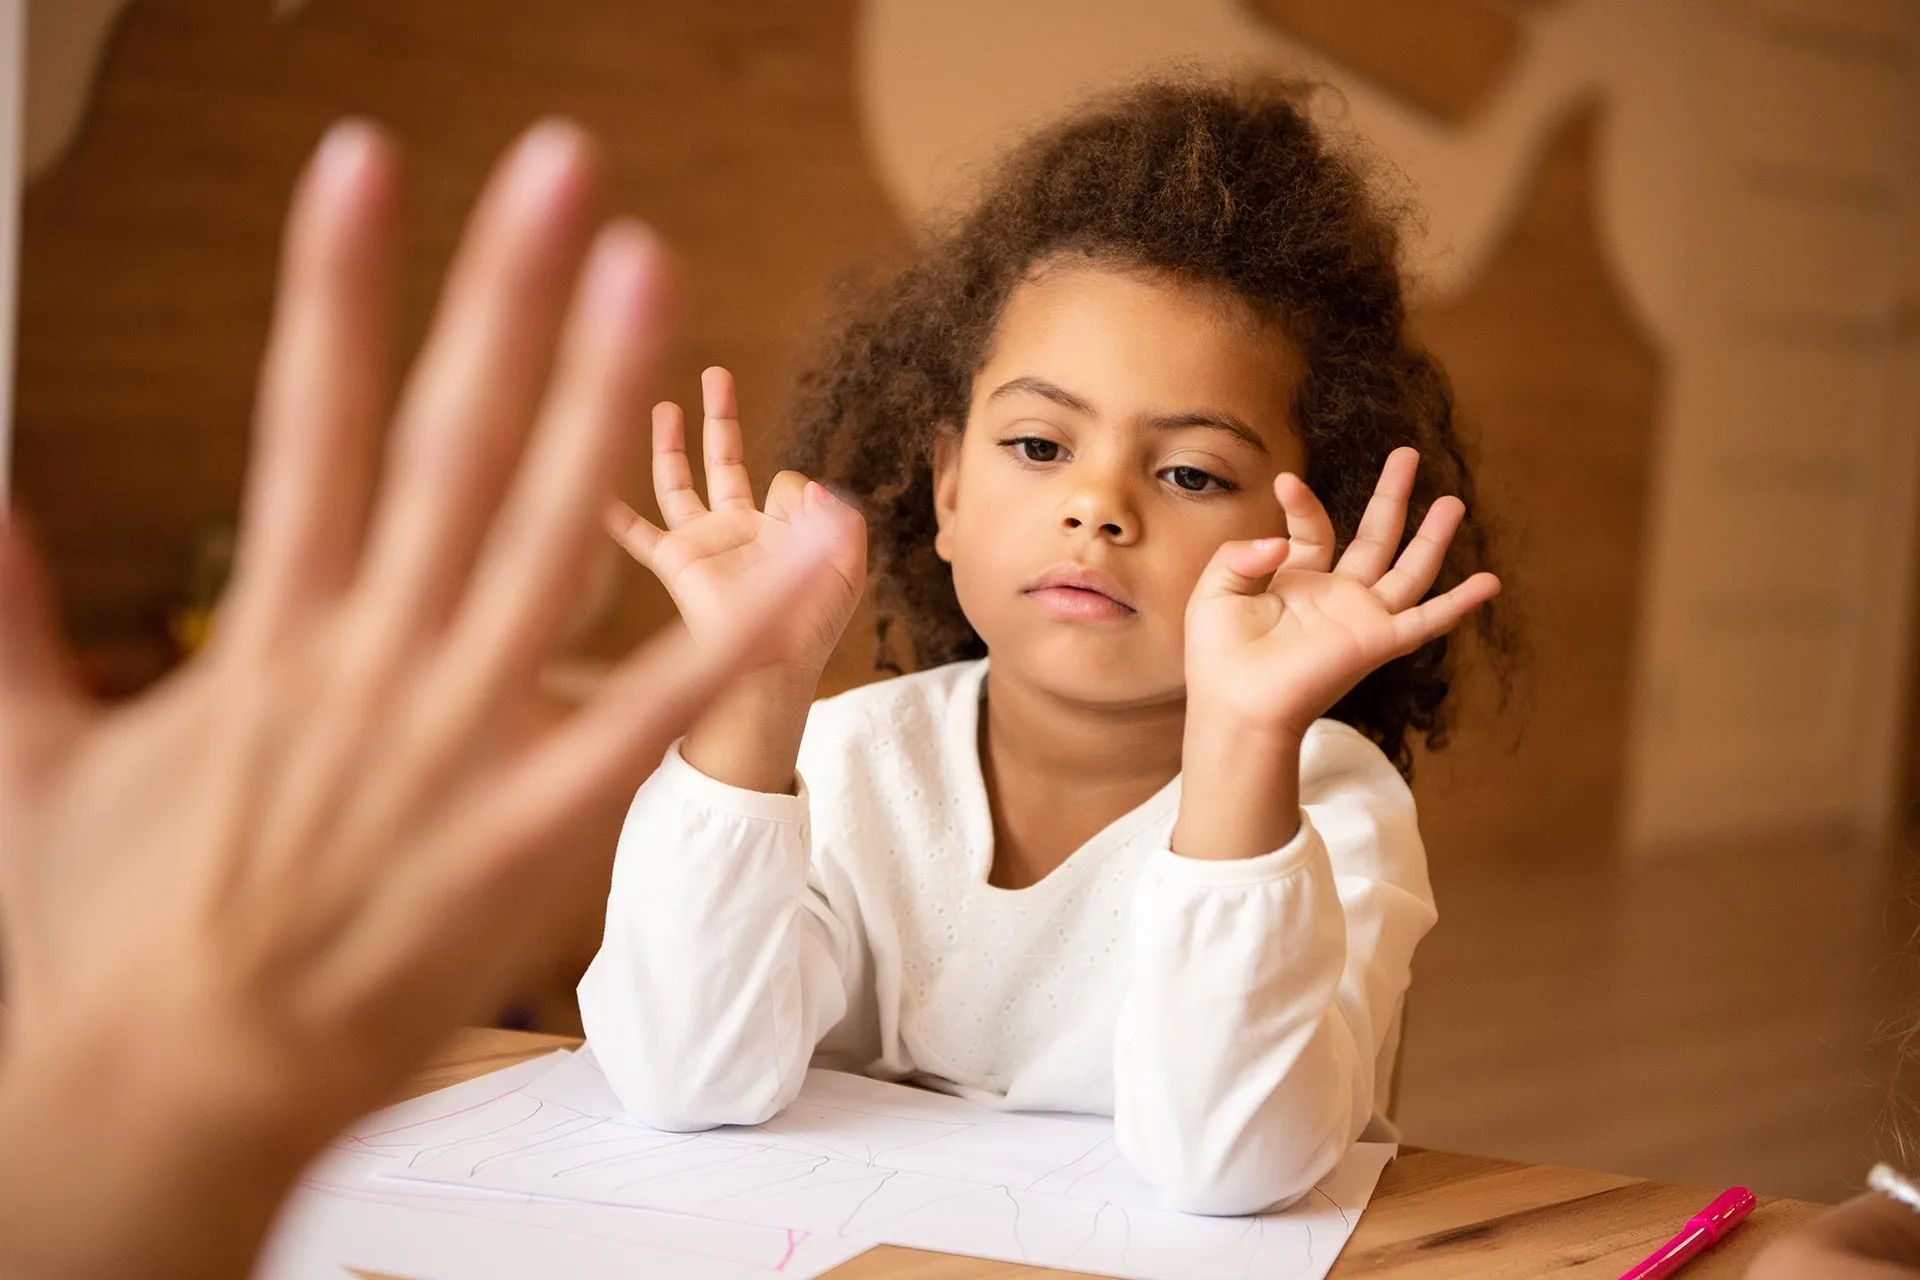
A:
{"x": 1089, "y": 668}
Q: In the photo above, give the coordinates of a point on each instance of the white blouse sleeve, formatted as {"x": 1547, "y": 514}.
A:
{"x": 1262, "y": 991}
{"x": 721, "y": 966}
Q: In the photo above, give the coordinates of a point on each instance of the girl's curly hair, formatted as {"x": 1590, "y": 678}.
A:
{"x": 1228, "y": 186}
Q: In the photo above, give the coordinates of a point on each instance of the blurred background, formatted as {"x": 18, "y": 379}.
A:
{"x": 1668, "y": 250}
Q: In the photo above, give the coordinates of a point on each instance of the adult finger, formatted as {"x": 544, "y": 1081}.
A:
{"x": 1419, "y": 565}
{"x": 534, "y": 562}
{"x": 1371, "y": 551}
{"x": 728, "y": 484}
{"x": 1414, "y": 627}
{"x": 652, "y": 696}
{"x": 323, "y": 385}
{"x": 36, "y": 691}
{"x": 1308, "y": 527}
{"x": 485, "y": 863}
{"x": 531, "y": 570}
{"x": 466, "y": 410}
{"x": 672, "y": 473}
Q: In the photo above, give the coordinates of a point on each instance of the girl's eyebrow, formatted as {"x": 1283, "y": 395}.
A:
{"x": 1227, "y": 422}
{"x": 1220, "y": 421}
{"x": 1045, "y": 390}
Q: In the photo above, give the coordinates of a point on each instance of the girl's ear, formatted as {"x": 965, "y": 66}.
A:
{"x": 946, "y": 488}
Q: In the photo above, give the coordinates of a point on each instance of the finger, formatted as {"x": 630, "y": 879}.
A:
{"x": 1242, "y": 568}
{"x": 1416, "y": 626}
{"x": 489, "y": 858}
{"x": 651, "y": 697}
{"x": 841, "y": 528}
{"x": 1308, "y": 528}
{"x": 532, "y": 568}
{"x": 466, "y": 410}
{"x": 672, "y": 473}
{"x": 323, "y": 385}
{"x": 1419, "y": 565}
{"x": 728, "y": 484}
{"x": 636, "y": 534}
{"x": 1371, "y": 551}
{"x": 534, "y": 563}
{"x": 36, "y": 690}
{"x": 786, "y": 495}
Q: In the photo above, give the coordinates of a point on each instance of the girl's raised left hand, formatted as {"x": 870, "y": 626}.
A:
{"x": 1277, "y": 632}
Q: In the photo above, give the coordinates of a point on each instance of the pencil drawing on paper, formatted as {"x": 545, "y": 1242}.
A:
{"x": 866, "y": 1160}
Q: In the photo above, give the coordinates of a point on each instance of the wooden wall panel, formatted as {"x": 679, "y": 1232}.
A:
{"x": 1445, "y": 55}
{"x": 148, "y": 251}
{"x": 1559, "y": 392}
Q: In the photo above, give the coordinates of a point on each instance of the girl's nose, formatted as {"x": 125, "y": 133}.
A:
{"x": 1103, "y": 509}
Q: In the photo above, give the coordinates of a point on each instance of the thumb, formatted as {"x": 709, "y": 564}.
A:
{"x": 823, "y": 503}
{"x": 839, "y": 519}
{"x": 1241, "y": 568}
{"x": 33, "y": 661}
{"x": 649, "y": 700}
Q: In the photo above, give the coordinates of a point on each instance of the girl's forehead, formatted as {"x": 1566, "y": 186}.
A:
{"x": 1127, "y": 341}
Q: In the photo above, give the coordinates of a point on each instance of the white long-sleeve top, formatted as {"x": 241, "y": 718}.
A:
{"x": 1237, "y": 1019}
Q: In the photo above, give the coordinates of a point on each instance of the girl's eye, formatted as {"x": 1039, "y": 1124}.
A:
{"x": 1194, "y": 480}
{"x": 1036, "y": 449}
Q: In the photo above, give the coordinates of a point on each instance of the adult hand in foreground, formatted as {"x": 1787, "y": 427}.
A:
{"x": 240, "y": 910}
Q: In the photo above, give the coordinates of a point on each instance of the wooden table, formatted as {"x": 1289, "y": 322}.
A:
{"x": 1436, "y": 1215}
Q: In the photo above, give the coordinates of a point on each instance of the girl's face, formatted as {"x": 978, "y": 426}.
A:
{"x": 1123, "y": 427}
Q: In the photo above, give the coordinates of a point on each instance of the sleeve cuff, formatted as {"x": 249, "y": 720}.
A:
{"x": 1289, "y": 858}
{"x": 707, "y": 793}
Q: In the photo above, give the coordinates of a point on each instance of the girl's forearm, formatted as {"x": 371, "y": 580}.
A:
{"x": 1239, "y": 791}
{"x": 750, "y": 737}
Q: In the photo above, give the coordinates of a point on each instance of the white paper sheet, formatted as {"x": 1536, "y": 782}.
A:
{"x": 864, "y": 1160}
{"x": 344, "y": 1215}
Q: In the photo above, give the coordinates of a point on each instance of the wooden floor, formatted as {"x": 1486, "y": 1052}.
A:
{"x": 1712, "y": 1019}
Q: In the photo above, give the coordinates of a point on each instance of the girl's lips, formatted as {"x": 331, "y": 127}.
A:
{"x": 1078, "y": 604}
{"x": 1076, "y": 593}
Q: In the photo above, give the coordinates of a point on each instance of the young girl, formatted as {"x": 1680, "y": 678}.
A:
{"x": 1132, "y": 840}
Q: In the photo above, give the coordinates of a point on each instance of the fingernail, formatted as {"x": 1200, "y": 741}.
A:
{"x": 345, "y": 149}
{"x": 545, "y": 153}
{"x": 1268, "y": 544}
{"x": 624, "y": 257}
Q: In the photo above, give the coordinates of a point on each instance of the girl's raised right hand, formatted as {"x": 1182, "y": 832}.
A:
{"x": 707, "y": 550}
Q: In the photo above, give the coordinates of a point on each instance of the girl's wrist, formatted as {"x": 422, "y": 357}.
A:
{"x": 1239, "y": 791}
{"x": 750, "y": 737}
{"x": 779, "y": 687}
{"x": 1217, "y": 731}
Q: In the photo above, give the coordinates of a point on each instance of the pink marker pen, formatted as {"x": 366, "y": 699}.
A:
{"x": 1703, "y": 1230}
